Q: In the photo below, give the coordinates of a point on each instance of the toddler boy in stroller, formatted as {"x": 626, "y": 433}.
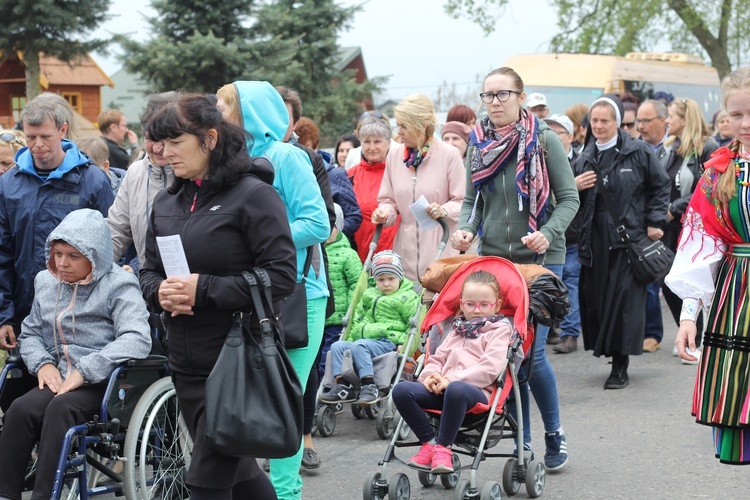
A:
{"x": 379, "y": 326}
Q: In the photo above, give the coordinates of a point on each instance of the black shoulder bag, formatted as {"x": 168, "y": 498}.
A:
{"x": 650, "y": 259}
{"x": 253, "y": 395}
{"x": 294, "y": 311}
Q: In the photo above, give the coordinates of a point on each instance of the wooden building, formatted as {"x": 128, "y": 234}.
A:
{"x": 79, "y": 82}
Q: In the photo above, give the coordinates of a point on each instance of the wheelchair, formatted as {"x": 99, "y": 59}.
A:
{"x": 138, "y": 446}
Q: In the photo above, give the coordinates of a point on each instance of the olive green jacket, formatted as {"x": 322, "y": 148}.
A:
{"x": 503, "y": 224}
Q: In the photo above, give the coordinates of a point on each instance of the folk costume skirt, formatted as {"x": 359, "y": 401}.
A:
{"x": 722, "y": 394}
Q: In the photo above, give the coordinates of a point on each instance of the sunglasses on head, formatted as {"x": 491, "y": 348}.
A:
{"x": 374, "y": 114}
{"x": 8, "y": 138}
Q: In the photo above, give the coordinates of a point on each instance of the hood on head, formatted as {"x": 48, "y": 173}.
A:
{"x": 88, "y": 232}
{"x": 264, "y": 114}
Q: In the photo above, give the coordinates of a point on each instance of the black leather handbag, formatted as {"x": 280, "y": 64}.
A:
{"x": 294, "y": 311}
{"x": 253, "y": 395}
{"x": 650, "y": 259}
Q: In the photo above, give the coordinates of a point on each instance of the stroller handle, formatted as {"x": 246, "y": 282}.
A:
{"x": 373, "y": 246}
{"x": 446, "y": 235}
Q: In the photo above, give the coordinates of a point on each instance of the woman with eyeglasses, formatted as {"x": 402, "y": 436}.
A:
{"x": 520, "y": 190}
{"x": 10, "y": 142}
{"x": 613, "y": 302}
{"x": 422, "y": 167}
{"x": 628, "y": 119}
{"x": 690, "y": 147}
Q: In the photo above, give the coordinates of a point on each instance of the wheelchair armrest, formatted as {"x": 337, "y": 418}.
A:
{"x": 14, "y": 359}
{"x": 151, "y": 361}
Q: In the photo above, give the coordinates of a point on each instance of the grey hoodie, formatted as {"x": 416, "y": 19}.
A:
{"x": 92, "y": 325}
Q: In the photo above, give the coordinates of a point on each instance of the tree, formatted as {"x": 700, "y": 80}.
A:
{"x": 197, "y": 46}
{"x": 54, "y": 27}
{"x": 305, "y": 33}
{"x": 715, "y": 28}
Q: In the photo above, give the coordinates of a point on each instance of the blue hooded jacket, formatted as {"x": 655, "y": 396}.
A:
{"x": 265, "y": 117}
{"x": 30, "y": 208}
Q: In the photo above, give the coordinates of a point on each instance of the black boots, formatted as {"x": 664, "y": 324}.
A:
{"x": 618, "y": 379}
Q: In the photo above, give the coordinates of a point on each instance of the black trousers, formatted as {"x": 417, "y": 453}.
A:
{"x": 44, "y": 417}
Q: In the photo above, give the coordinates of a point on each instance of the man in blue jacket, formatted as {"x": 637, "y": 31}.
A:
{"x": 53, "y": 178}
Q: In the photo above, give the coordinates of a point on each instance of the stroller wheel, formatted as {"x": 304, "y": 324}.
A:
{"x": 372, "y": 411}
{"x": 449, "y": 481}
{"x": 386, "y": 422}
{"x": 357, "y": 411}
{"x": 464, "y": 491}
{"x": 510, "y": 484}
{"x": 491, "y": 491}
{"x": 536, "y": 476}
{"x": 326, "y": 421}
{"x": 426, "y": 479}
{"x": 374, "y": 488}
{"x": 399, "y": 487}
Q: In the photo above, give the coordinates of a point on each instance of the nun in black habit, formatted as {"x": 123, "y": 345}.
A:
{"x": 613, "y": 302}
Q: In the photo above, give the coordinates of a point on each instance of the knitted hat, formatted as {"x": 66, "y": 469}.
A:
{"x": 339, "y": 217}
{"x": 389, "y": 262}
{"x": 460, "y": 129}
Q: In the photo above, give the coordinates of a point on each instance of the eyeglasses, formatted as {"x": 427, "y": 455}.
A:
{"x": 627, "y": 125}
{"x": 8, "y": 138}
{"x": 482, "y": 306}
{"x": 501, "y": 95}
{"x": 645, "y": 121}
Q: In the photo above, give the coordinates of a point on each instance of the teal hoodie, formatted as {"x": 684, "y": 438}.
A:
{"x": 265, "y": 117}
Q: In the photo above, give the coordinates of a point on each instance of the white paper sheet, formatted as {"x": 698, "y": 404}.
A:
{"x": 173, "y": 256}
{"x": 419, "y": 210}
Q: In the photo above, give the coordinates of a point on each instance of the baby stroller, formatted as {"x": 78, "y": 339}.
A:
{"x": 484, "y": 425}
{"x": 389, "y": 368}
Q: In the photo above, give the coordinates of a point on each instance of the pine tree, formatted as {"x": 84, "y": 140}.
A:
{"x": 308, "y": 31}
{"x": 55, "y": 27}
{"x": 197, "y": 46}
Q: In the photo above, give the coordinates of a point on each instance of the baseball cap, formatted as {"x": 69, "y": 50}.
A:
{"x": 536, "y": 99}
{"x": 561, "y": 120}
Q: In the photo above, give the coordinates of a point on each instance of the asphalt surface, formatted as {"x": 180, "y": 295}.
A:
{"x": 635, "y": 443}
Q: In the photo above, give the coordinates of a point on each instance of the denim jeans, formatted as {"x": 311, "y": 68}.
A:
{"x": 412, "y": 398}
{"x": 363, "y": 351}
{"x": 543, "y": 382}
{"x": 571, "y": 325}
{"x": 654, "y": 322}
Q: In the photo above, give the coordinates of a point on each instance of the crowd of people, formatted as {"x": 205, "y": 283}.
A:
{"x": 239, "y": 176}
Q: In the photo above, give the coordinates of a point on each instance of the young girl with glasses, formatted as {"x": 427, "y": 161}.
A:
{"x": 460, "y": 374}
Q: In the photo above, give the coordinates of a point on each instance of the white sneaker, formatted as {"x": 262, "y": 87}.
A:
{"x": 696, "y": 354}
{"x": 674, "y": 351}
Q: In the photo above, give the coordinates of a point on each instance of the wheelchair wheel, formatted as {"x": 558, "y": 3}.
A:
{"x": 157, "y": 447}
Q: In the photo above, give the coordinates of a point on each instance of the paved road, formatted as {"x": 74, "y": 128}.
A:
{"x": 637, "y": 443}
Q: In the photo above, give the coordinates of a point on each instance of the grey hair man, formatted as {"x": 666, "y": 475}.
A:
{"x": 651, "y": 121}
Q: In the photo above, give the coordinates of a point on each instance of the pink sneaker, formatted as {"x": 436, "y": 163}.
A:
{"x": 423, "y": 459}
{"x": 442, "y": 460}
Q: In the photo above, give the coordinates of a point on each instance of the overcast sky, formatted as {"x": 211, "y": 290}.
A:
{"x": 412, "y": 41}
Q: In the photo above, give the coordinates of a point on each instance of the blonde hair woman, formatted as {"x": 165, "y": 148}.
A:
{"x": 10, "y": 142}
{"x": 422, "y": 166}
{"x": 711, "y": 269}
{"x": 690, "y": 147}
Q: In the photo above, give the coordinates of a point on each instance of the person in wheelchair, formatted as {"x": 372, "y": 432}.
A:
{"x": 379, "y": 326}
{"x": 460, "y": 374}
{"x": 87, "y": 317}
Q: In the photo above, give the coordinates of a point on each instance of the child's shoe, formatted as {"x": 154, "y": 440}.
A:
{"x": 341, "y": 393}
{"x": 368, "y": 394}
{"x": 423, "y": 459}
{"x": 557, "y": 450}
{"x": 442, "y": 460}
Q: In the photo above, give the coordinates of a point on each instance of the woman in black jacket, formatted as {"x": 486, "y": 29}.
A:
{"x": 613, "y": 302}
{"x": 690, "y": 147}
{"x": 230, "y": 219}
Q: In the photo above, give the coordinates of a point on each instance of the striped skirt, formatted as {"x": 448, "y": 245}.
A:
{"x": 722, "y": 392}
